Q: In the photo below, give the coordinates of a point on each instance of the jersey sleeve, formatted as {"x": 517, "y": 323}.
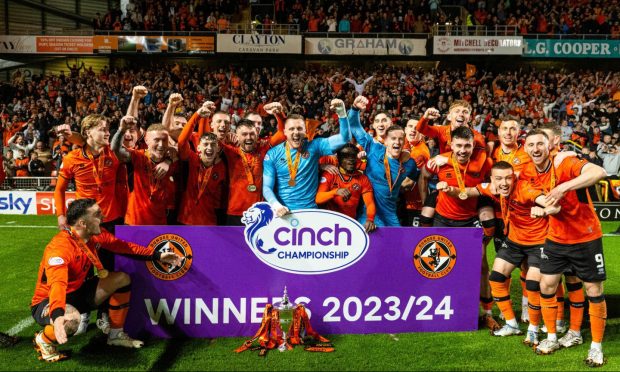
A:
{"x": 57, "y": 274}
{"x": 485, "y": 190}
{"x": 66, "y": 168}
{"x": 111, "y": 243}
{"x": 571, "y": 167}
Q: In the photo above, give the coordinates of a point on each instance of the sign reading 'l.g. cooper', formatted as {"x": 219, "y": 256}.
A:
{"x": 394, "y": 280}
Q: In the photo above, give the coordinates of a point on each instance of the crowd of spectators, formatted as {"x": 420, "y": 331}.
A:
{"x": 169, "y": 15}
{"x": 526, "y": 16}
{"x": 360, "y": 16}
{"x": 584, "y": 103}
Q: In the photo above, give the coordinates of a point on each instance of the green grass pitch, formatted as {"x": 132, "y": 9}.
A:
{"x": 22, "y": 239}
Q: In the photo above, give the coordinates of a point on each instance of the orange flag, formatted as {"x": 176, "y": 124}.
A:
{"x": 470, "y": 71}
{"x": 311, "y": 126}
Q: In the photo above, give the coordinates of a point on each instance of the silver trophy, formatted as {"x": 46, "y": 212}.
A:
{"x": 285, "y": 309}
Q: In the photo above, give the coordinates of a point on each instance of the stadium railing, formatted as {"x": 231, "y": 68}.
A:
{"x": 369, "y": 35}
{"x": 448, "y": 29}
{"x": 29, "y": 183}
{"x": 259, "y": 28}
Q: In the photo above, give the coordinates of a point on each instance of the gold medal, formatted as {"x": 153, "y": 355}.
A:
{"x": 251, "y": 188}
{"x": 291, "y": 183}
{"x": 460, "y": 177}
{"x": 103, "y": 273}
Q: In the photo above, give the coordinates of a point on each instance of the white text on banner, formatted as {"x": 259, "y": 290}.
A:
{"x": 366, "y": 46}
{"x": 465, "y": 45}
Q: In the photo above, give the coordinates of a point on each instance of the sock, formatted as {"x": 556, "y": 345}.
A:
{"x": 487, "y": 305}
{"x": 533, "y": 308}
{"x": 559, "y": 293}
{"x": 596, "y": 345}
{"x": 552, "y": 336}
{"x": 501, "y": 294}
{"x": 48, "y": 335}
{"x": 119, "y": 306}
{"x": 577, "y": 304}
{"x": 533, "y": 328}
{"x": 598, "y": 317}
{"x": 549, "y": 308}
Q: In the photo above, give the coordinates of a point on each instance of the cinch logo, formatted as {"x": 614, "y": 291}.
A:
{"x": 170, "y": 243}
{"x": 307, "y": 241}
{"x": 434, "y": 257}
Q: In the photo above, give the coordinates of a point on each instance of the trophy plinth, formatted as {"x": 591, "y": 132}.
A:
{"x": 285, "y": 309}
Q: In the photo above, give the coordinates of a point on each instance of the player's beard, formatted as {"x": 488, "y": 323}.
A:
{"x": 248, "y": 146}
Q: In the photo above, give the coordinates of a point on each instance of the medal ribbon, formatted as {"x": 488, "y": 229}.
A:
{"x": 154, "y": 183}
{"x": 98, "y": 166}
{"x": 248, "y": 168}
{"x": 292, "y": 167}
{"x": 457, "y": 170}
{"x": 204, "y": 175}
{"x": 91, "y": 257}
{"x": 388, "y": 172}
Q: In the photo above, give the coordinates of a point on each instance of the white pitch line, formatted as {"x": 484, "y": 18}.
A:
{"x": 23, "y": 324}
{"x": 10, "y": 222}
{"x": 29, "y": 226}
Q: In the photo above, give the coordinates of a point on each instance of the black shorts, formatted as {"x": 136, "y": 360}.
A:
{"x": 485, "y": 201}
{"x": 441, "y": 221}
{"x": 516, "y": 253}
{"x": 431, "y": 199}
{"x": 83, "y": 299}
{"x": 410, "y": 217}
{"x": 585, "y": 259}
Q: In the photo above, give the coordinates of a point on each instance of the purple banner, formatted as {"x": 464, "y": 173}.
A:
{"x": 406, "y": 280}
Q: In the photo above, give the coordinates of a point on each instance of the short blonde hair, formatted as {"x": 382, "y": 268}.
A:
{"x": 460, "y": 102}
{"x": 157, "y": 127}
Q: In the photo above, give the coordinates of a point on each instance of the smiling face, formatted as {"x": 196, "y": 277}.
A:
{"x": 508, "y": 133}
{"x": 503, "y": 181}
{"x": 462, "y": 148}
{"x": 99, "y": 134}
{"x": 208, "y": 149}
{"x": 459, "y": 116}
{"x": 381, "y": 124}
{"x": 394, "y": 141}
{"x": 537, "y": 147}
{"x": 246, "y": 136}
{"x": 157, "y": 142}
{"x": 295, "y": 132}
{"x": 220, "y": 123}
{"x": 411, "y": 133}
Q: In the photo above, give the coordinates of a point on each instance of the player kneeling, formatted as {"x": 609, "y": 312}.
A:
{"x": 64, "y": 290}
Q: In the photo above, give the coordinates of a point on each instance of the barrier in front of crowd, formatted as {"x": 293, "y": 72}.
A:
{"x": 393, "y": 280}
{"x": 30, "y": 202}
{"x": 568, "y": 48}
{"x": 339, "y": 44}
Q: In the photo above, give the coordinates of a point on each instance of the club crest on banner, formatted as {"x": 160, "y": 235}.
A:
{"x": 307, "y": 241}
{"x": 434, "y": 256}
{"x": 170, "y": 243}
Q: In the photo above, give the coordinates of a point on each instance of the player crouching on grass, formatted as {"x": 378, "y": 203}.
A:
{"x": 63, "y": 290}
